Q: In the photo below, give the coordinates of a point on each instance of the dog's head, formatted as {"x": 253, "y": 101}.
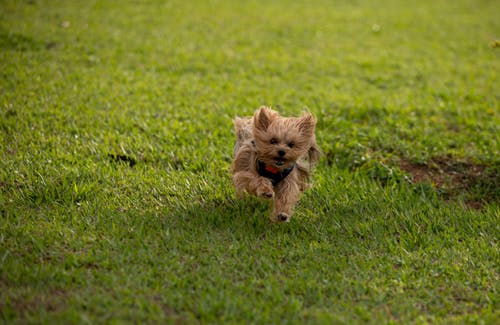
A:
{"x": 281, "y": 141}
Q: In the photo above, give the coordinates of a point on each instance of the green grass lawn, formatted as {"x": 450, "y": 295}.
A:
{"x": 116, "y": 138}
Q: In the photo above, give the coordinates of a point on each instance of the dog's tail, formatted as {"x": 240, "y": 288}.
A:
{"x": 243, "y": 130}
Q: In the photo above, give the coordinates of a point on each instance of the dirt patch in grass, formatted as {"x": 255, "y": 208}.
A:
{"x": 171, "y": 313}
{"x": 443, "y": 172}
{"x": 477, "y": 183}
{"x": 23, "y": 305}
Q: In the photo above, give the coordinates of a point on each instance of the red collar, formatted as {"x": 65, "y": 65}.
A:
{"x": 272, "y": 172}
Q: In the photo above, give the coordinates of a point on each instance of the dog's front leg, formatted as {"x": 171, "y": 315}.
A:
{"x": 253, "y": 184}
{"x": 245, "y": 176}
{"x": 287, "y": 193}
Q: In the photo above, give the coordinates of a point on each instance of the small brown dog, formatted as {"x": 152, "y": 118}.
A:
{"x": 273, "y": 158}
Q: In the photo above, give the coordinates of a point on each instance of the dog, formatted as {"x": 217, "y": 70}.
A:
{"x": 274, "y": 157}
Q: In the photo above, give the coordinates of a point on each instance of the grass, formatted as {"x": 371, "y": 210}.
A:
{"x": 116, "y": 139}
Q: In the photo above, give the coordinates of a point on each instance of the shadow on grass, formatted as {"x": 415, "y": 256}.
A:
{"x": 240, "y": 217}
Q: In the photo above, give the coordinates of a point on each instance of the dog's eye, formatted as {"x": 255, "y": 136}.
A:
{"x": 291, "y": 144}
{"x": 274, "y": 141}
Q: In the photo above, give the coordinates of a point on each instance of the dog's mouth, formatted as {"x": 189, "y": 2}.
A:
{"x": 279, "y": 162}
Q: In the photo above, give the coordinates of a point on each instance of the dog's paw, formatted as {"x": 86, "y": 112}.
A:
{"x": 280, "y": 217}
{"x": 265, "y": 192}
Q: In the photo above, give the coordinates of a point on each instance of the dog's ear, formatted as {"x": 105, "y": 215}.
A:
{"x": 307, "y": 123}
{"x": 262, "y": 118}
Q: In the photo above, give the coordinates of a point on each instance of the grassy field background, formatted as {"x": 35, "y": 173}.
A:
{"x": 116, "y": 140}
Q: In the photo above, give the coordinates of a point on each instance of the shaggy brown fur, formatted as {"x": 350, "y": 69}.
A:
{"x": 269, "y": 145}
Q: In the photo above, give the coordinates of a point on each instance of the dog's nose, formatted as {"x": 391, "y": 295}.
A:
{"x": 281, "y": 153}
